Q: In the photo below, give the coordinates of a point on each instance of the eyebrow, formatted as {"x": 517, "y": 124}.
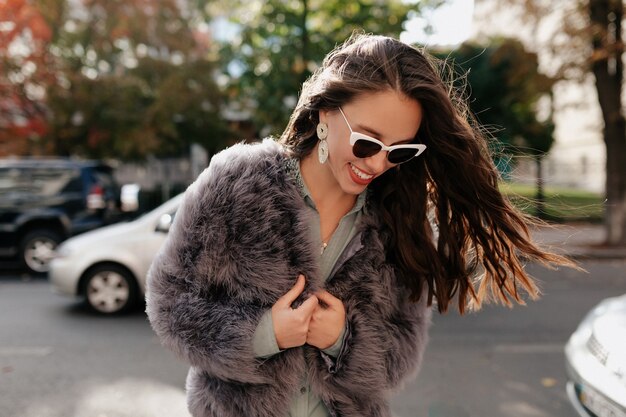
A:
{"x": 378, "y": 135}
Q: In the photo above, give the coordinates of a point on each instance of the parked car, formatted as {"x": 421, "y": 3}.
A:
{"x": 108, "y": 266}
{"x": 595, "y": 358}
{"x": 44, "y": 201}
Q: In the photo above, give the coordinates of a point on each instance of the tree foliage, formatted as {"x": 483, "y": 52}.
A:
{"x": 27, "y": 68}
{"x": 282, "y": 42}
{"x": 589, "y": 41}
{"x": 129, "y": 78}
{"x": 505, "y": 88}
{"x": 126, "y": 79}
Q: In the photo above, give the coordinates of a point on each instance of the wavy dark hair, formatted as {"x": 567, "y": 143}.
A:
{"x": 483, "y": 240}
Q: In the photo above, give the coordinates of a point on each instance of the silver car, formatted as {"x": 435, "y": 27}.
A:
{"x": 108, "y": 266}
{"x": 595, "y": 358}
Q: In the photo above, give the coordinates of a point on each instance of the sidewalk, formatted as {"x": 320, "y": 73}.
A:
{"x": 579, "y": 241}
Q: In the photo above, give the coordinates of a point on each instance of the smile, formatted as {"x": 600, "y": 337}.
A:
{"x": 360, "y": 173}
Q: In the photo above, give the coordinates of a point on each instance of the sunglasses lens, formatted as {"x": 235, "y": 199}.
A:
{"x": 364, "y": 148}
{"x": 398, "y": 156}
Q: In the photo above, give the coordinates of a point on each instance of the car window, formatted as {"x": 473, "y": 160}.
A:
{"x": 104, "y": 178}
{"x": 74, "y": 185}
{"x": 39, "y": 181}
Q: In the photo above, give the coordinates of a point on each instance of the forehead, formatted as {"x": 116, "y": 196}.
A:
{"x": 391, "y": 115}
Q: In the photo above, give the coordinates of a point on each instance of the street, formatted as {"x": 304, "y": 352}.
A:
{"x": 59, "y": 360}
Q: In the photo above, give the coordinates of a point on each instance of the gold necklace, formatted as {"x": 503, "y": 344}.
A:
{"x": 324, "y": 244}
{"x": 325, "y": 241}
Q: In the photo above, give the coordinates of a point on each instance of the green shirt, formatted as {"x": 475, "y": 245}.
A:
{"x": 306, "y": 403}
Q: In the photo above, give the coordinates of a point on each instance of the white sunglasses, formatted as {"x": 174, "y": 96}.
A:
{"x": 364, "y": 146}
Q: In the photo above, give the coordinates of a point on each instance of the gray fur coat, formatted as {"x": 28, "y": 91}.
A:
{"x": 237, "y": 244}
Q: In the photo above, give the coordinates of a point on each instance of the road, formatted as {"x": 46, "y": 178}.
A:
{"x": 59, "y": 360}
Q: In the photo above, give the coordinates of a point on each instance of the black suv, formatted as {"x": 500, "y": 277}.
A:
{"x": 44, "y": 201}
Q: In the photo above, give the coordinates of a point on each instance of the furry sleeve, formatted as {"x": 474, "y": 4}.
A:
{"x": 382, "y": 348}
{"x": 220, "y": 269}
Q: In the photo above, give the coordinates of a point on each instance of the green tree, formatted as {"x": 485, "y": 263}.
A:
{"x": 187, "y": 108}
{"x": 281, "y": 42}
{"x": 504, "y": 89}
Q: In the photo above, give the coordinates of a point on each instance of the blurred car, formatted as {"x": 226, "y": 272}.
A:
{"x": 108, "y": 266}
{"x": 595, "y": 357}
{"x": 44, "y": 201}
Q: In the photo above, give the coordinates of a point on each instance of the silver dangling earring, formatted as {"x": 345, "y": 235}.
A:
{"x": 322, "y": 148}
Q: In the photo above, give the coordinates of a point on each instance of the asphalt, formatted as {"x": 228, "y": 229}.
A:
{"x": 578, "y": 241}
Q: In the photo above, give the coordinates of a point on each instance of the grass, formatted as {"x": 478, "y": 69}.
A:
{"x": 562, "y": 205}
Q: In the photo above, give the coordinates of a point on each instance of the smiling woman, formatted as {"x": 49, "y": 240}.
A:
{"x": 390, "y": 116}
{"x": 299, "y": 274}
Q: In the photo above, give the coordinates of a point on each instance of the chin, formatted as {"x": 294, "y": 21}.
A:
{"x": 350, "y": 187}
{"x": 354, "y": 190}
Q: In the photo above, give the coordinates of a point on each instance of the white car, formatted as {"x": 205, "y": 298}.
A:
{"x": 108, "y": 266}
{"x": 595, "y": 357}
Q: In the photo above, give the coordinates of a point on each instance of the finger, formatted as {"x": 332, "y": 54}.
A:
{"x": 309, "y": 306}
{"x": 290, "y": 296}
{"x": 327, "y": 298}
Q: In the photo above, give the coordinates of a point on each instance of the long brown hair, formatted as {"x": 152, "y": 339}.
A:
{"x": 479, "y": 230}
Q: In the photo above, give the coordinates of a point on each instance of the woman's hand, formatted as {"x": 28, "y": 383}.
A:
{"x": 327, "y": 322}
{"x": 291, "y": 325}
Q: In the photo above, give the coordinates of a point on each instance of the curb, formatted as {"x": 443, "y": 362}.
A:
{"x": 577, "y": 241}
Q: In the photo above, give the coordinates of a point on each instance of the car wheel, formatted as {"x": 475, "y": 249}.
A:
{"x": 110, "y": 289}
{"x": 37, "y": 249}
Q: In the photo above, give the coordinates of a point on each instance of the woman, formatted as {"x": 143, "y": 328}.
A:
{"x": 298, "y": 276}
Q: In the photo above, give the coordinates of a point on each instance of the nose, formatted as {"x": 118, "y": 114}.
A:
{"x": 378, "y": 163}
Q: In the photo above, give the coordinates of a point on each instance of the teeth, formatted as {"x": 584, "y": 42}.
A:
{"x": 360, "y": 173}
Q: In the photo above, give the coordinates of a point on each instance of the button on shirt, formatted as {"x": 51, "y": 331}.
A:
{"x": 306, "y": 403}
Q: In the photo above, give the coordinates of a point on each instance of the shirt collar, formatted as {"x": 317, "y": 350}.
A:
{"x": 293, "y": 169}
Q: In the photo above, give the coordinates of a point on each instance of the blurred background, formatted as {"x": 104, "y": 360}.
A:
{"x": 154, "y": 88}
{"x": 109, "y": 109}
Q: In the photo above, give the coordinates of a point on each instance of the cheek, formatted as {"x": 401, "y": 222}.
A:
{"x": 340, "y": 149}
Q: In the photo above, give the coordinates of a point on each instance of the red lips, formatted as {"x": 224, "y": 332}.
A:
{"x": 358, "y": 179}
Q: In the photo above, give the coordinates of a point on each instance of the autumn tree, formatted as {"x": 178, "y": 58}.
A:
{"x": 587, "y": 40}
{"x": 606, "y": 62}
{"x": 108, "y": 78}
{"x": 27, "y": 68}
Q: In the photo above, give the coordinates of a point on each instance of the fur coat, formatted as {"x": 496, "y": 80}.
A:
{"x": 238, "y": 242}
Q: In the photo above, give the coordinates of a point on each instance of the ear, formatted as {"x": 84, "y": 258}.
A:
{"x": 323, "y": 116}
